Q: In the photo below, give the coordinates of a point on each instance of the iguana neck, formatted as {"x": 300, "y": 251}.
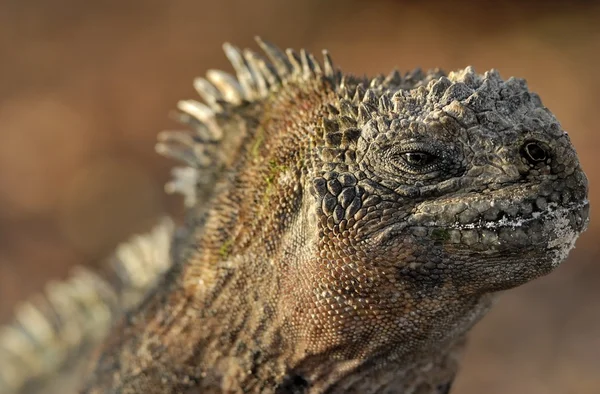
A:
{"x": 218, "y": 345}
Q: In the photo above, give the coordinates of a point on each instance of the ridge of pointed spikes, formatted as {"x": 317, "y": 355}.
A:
{"x": 76, "y": 314}
{"x": 255, "y": 78}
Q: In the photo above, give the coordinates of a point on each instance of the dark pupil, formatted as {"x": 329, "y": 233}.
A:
{"x": 534, "y": 153}
{"x": 417, "y": 158}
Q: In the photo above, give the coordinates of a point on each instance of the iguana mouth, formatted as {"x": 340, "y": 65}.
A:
{"x": 580, "y": 212}
{"x": 519, "y": 206}
{"x": 551, "y": 229}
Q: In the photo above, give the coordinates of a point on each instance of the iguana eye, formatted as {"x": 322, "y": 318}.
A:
{"x": 417, "y": 158}
{"x": 418, "y": 162}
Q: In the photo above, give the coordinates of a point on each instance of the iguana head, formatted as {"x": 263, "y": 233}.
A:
{"x": 426, "y": 192}
{"x": 463, "y": 180}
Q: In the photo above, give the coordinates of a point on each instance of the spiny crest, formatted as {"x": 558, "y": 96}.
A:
{"x": 202, "y": 149}
{"x": 141, "y": 261}
{"x": 48, "y": 329}
{"x": 74, "y": 315}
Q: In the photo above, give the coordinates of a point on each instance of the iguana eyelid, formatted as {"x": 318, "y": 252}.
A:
{"x": 435, "y": 161}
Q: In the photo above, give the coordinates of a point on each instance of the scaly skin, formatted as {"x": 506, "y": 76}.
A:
{"x": 353, "y": 231}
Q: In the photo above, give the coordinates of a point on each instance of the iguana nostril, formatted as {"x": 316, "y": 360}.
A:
{"x": 534, "y": 152}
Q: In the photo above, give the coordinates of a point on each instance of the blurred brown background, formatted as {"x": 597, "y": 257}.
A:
{"x": 85, "y": 86}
